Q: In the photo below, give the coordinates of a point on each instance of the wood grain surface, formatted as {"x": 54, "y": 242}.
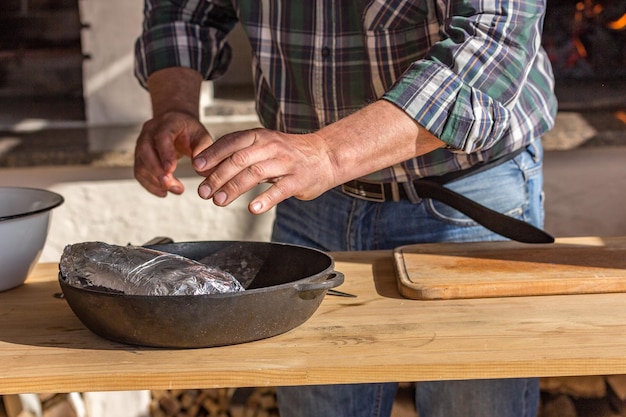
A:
{"x": 377, "y": 336}
{"x": 504, "y": 269}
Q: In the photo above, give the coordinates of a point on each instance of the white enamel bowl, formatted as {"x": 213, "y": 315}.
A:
{"x": 24, "y": 219}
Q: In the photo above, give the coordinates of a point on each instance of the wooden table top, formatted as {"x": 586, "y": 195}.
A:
{"x": 378, "y": 336}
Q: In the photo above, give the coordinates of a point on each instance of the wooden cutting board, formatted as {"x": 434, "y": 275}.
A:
{"x": 505, "y": 269}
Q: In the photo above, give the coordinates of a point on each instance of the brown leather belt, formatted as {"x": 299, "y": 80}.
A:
{"x": 499, "y": 223}
{"x": 375, "y": 191}
{"x": 433, "y": 188}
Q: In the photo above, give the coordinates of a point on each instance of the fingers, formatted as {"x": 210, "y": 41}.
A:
{"x": 237, "y": 163}
{"x": 149, "y": 169}
{"x": 159, "y": 145}
{"x": 295, "y": 165}
{"x": 222, "y": 149}
{"x": 230, "y": 180}
{"x": 264, "y": 202}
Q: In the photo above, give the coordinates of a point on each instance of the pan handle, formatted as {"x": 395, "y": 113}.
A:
{"x": 334, "y": 279}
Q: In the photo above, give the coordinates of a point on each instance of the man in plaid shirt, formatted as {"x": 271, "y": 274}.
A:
{"x": 358, "y": 99}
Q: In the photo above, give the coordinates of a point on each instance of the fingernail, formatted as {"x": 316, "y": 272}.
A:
{"x": 204, "y": 191}
{"x": 220, "y": 197}
{"x": 176, "y": 189}
{"x": 199, "y": 163}
{"x": 256, "y": 207}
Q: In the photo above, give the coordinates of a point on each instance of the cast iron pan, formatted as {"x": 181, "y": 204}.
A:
{"x": 286, "y": 289}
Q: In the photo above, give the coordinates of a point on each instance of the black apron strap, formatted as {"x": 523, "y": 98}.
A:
{"x": 509, "y": 227}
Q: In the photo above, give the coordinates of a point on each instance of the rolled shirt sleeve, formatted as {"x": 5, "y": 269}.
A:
{"x": 188, "y": 34}
{"x": 486, "y": 81}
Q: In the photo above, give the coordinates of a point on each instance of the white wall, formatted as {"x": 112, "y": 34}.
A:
{"x": 107, "y": 204}
{"x": 585, "y": 195}
{"x": 112, "y": 94}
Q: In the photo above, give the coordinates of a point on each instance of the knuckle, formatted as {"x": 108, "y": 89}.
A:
{"x": 142, "y": 142}
{"x": 140, "y": 170}
{"x": 240, "y": 159}
{"x": 274, "y": 195}
{"x": 234, "y": 187}
{"x": 216, "y": 179}
{"x": 147, "y": 126}
{"x": 280, "y": 191}
{"x": 256, "y": 171}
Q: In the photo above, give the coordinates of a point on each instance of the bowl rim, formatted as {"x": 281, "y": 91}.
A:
{"x": 55, "y": 201}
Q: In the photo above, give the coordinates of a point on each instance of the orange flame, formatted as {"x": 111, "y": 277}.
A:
{"x": 580, "y": 48}
{"x": 618, "y": 24}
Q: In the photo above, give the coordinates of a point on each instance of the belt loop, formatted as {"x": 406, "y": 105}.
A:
{"x": 395, "y": 193}
{"x": 411, "y": 193}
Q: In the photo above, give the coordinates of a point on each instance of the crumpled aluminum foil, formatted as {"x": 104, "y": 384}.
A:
{"x": 135, "y": 270}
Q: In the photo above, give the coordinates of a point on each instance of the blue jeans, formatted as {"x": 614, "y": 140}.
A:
{"x": 337, "y": 222}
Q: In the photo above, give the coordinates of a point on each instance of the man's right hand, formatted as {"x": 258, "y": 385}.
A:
{"x": 162, "y": 141}
{"x": 174, "y": 131}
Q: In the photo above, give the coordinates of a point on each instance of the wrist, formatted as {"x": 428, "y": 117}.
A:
{"x": 175, "y": 89}
{"x": 373, "y": 138}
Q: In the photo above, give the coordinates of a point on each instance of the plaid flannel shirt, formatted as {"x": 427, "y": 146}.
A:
{"x": 472, "y": 72}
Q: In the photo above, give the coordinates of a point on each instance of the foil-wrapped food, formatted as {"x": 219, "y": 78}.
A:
{"x": 135, "y": 270}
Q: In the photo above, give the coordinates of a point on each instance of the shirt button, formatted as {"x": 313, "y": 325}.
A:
{"x": 325, "y": 52}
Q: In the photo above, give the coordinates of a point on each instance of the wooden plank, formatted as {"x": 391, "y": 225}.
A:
{"x": 378, "y": 336}
{"x": 503, "y": 269}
